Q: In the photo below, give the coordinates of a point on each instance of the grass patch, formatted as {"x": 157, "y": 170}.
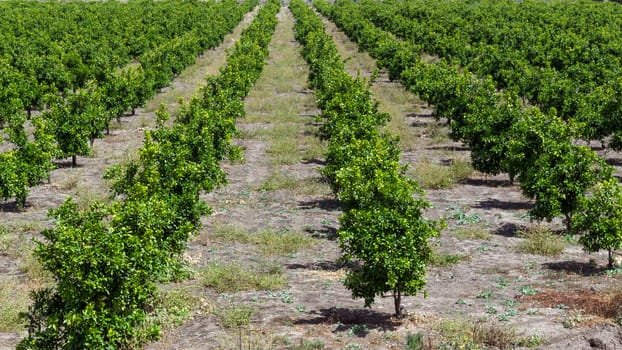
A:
{"x": 466, "y": 334}
{"x": 313, "y": 148}
{"x": 281, "y": 242}
{"x": 398, "y": 102}
{"x": 278, "y": 181}
{"x": 31, "y": 266}
{"x": 314, "y": 187}
{"x": 476, "y": 232}
{"x": 69, "y": 183}
{"x": 268, "y": 242}
{"x": 229, "y": 233}
{"x": 230, "y": 278}
{"x": 171, "y": 308}
{"x": 14, "y": 299}
{"x": 234, "y": 315}
{"x": 540, "y": 240}
{"x": 461, "y": 169}
{"x": 434, "y": 133}
{"x": 284, "y": 151}
{"x": 247, "y": 134}
{"x": 446, "y": 260}
{"x": 6, "y": 241}
{"x": 307, "y": 345}
{"x": 434, "y": 176}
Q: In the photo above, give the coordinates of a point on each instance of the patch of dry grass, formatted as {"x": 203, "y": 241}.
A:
{"x": 14, "y": 299}
{"x": 233, "y": 277}
{"x": 476, "y": 232}
{"x": 434, "y": 176}
{"x": 278, "y": 181}
{"x": 540, "y": 240}
{"x": 467, "y": 334}
{"x": 314, "y": 187}
{"x": 268, "y": 242}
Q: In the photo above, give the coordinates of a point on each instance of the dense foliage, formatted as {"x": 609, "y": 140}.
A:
{"x": 503, "y": 130}
{"x": 80, "y": 112}
{"x": 106, "y": 258}
{"x": 556, "y": 54}
{"x": 382, "y": 228}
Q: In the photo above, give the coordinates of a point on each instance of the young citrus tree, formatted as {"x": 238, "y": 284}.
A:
{"x": 600, "y": 219}
{"x": 382, "y": 228}
{"x": 551, "y": 169}
{"x": 104, "y": 281}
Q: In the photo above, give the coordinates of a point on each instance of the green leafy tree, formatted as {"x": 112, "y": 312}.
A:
{"x": 103, "y": 280}
{"x": 76, "y": 121}
{"x": 599, "y": 221}
{"x": 550, "y": 167}
{"x": 382, "y": 228}
{"x": 27, "y": 162}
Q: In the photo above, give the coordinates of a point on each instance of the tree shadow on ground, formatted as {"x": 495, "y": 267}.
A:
{"x": 425, "y": 114}
{"x": 326, "y": 232}
{"x": 492, "y": 203}
{"x": 448, "y": 148}
{"x": 354, "y": 321}
{"x": 329, "y": 204}
{"x": 507, "y": 230}
{"x": 576, "y": 267}
{"x": 614, "y": 161}
{"x": 487, "y": 182}
{"x": 12, "y": 207}
{"x": 325, "y": 265}
{"x": 67, "y": 164}
{"x": 317, "y": 161}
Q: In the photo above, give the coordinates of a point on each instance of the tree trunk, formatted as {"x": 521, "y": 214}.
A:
{"x": 397, "y": 300}
{"x": 133, "y": 111}
{"x": 568, "y": 222}
{"x": 74, "y": 160}
{"x": 610, "y": 260}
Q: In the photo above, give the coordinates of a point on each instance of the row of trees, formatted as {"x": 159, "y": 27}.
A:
{"x": 57, "y": 47}
{"x": 107, "y": 258}
{"x": 559, "y": 56}
{"x": 504, "y": 134}
{"x": 382, "y": 228}
{"x": 73, "y": 120}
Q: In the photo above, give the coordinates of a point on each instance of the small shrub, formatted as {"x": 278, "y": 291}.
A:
{"x": 573, "y": 319}
{"x": 540, "y": 240}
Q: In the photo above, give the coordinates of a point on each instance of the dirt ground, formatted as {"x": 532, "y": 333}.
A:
{"x": 493, "y": 284}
